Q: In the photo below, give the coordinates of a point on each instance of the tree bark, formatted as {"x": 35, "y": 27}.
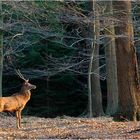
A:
{"x": 111, "y": 65}
{"x": 127, "y": 66}
{"x": 1, "y": 47}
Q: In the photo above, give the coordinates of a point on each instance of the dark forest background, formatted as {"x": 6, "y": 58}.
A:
{"x": 48, "y": 48}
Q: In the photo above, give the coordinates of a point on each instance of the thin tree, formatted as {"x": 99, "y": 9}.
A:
{"x": 1, "y": 47}
{"x": 95, "y": 96}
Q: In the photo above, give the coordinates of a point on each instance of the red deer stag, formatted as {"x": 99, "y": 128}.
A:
{"x": 17, "y": 101}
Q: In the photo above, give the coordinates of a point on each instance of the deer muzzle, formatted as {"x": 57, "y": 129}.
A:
{"x": 33, "y": 87}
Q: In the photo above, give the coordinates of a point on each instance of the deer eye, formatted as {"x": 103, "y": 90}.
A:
{"x": 26, "y": 84}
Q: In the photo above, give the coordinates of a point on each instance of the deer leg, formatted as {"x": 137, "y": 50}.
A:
{"x": 19, "y": 114}
{"x": 17, "y": 119}
{"x": 1, "y": 107}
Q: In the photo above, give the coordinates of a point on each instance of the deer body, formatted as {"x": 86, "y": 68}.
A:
{"x": 17, "y": 101}
{"x": 13, "y": 102}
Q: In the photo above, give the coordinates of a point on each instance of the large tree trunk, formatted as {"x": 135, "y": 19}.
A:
{"x": 95, "y": 96}
{"x": 1, "y": 47}
{"x": 127, "y": 67}
{"x": 111, "y": 65}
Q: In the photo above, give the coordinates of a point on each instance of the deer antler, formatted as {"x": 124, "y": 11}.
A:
{"x": 20, "y": 75}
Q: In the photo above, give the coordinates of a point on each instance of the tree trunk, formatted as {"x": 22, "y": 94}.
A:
{"x": 1, "y": 47}
{"x": 111, "y": 65}
{"x": 95, "y": 96}
{"x": 127, "y": 67}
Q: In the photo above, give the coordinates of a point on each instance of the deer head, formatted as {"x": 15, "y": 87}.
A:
{"x": 26, "y": 85}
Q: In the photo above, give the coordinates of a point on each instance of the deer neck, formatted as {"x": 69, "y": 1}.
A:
{"x": 26, "y": 93}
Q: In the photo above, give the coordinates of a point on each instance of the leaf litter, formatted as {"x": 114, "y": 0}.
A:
{"x": 68, "y": 128}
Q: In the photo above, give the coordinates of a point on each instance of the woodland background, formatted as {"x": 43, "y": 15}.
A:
{"x": 80, "y": 55}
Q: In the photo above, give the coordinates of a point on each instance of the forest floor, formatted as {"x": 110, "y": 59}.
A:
{"x": 68, "y": 128}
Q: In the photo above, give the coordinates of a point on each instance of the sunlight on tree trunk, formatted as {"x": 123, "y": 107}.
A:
{"x": 111, "y": 66}
{"x": 1, "y": 47}
{"x": 95, "y": 96}
{"x": 127, "y": 66}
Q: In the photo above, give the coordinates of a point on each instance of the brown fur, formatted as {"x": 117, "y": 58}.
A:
{"x": 17, "y": 101}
